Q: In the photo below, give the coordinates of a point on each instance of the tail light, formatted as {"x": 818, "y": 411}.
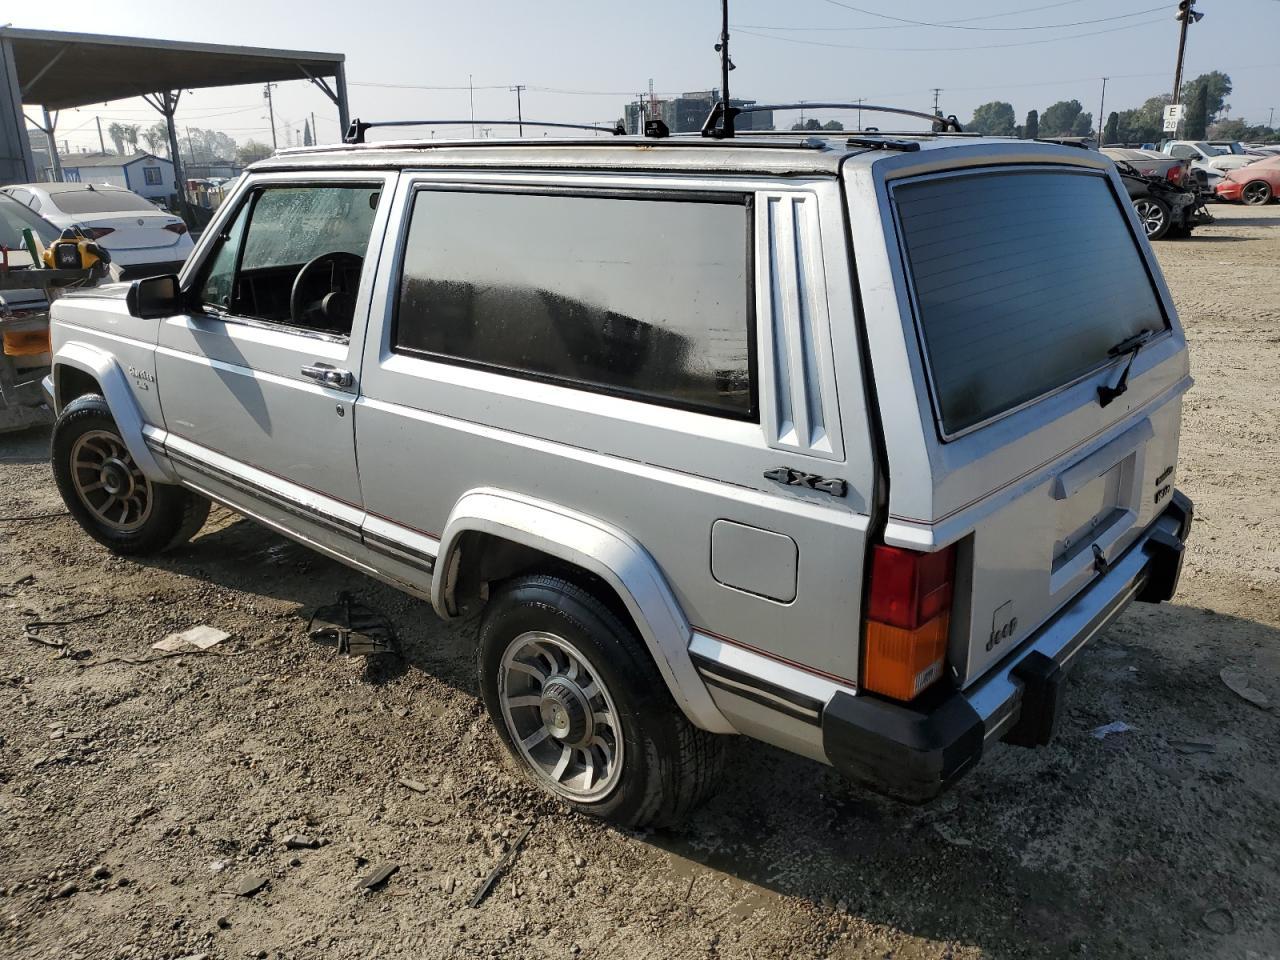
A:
{"x": 1175, "y": 174}
{"x": 26, "y": 343}
{"x": 178, "y": 228}
{"x": 908, "y": 616}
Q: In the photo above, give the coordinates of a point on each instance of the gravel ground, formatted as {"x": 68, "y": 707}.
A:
{"x": 137, "y": 798}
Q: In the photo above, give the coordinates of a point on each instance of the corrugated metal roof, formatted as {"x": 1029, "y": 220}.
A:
{"x": 75, "y": 160}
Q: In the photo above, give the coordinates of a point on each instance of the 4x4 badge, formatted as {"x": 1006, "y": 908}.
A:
{"x": 811, "y": 481}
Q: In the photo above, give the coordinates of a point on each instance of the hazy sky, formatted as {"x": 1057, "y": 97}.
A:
{"x": 581, "y": 60}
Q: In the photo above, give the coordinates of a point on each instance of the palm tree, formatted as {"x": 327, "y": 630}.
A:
{"x": 116, "y": 133}
{"x": 130, "y": 131}
{"x": 156, "y": 138}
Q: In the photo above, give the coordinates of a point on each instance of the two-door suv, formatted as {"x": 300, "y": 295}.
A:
{"x": 847, "y": 445}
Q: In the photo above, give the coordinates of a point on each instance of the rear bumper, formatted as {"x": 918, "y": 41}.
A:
{"x": 913, "y": 753}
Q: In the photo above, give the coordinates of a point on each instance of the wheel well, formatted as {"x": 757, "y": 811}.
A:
{"x": 485, "y": 560}
{"x": 72, "y": 382}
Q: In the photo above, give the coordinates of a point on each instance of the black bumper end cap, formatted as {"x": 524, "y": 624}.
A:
{"x": 903, "y": 753}
{"x": 1040, "y": 706}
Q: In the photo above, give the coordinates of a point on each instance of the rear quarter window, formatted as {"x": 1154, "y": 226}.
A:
{"x": 1022, "y": 282}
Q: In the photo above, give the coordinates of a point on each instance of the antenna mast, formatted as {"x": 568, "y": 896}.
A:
{"x": 726, "y": 128}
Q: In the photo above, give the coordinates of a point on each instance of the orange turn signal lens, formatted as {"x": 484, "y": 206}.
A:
{"x": 26, "y": 343}
{"x": 902, "y": 663}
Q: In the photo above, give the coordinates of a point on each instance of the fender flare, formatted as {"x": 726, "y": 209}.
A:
{"x": 105, "y": 369}
{"x": 603, "y": 550}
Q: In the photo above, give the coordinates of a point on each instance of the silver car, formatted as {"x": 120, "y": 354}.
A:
{"x": 848, "y": 446}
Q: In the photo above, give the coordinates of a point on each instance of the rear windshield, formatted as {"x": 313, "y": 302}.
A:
{"x": 100, "y": 201}
{"x": 1023, "y": 282}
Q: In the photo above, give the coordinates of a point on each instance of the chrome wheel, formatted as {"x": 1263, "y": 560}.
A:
{"x": 1256, "y": 193}
{"x": 108, "y": 482}
{"x": 1152, "y": 216}
{"x": 560, "y": 716}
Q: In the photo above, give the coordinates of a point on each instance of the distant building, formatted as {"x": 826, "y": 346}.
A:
{"x": 688, "y": 112}
{"x": 212, "y": 169}
{"x": 144, "y": 173}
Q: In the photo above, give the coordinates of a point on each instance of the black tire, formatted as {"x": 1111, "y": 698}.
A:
{"x": 175, "y": 514}
{"x": 1153, "y": 214}
{"x": 668, "y": 765}
{"x": 1256, "y": 193}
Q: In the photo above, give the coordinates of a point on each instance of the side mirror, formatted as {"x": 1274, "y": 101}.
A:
{"x": 154, "y": 297}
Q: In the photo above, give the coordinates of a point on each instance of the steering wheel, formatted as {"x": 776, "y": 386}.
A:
{"x": 325, "y": 289}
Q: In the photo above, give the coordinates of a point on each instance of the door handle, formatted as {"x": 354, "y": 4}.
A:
{"x": 330, "y": 376}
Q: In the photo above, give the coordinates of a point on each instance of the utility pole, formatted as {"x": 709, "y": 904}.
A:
{"x": 314, "y": 136}
{"x": 517, "y": 89}
{"x": 1101, "y": 116}
{"x": 937, "y": 92}
{"x": 1271, "y": 116}
{"x": 190, "y": 145}
{"x": 101, "y": 143}
{"x": 1186, "y": 15}
{"x": 471, "y": 92}
{"x": 860, "y": 100}
{"x": 271, "y": 113}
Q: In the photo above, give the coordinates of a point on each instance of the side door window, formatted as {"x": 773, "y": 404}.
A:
{"x": 293, "y": 256}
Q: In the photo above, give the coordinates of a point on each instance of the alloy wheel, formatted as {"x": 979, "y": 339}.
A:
{"x": 1152, "y": 216}
{"x": 108, "y": 482}
{"x": 560, "y": 716}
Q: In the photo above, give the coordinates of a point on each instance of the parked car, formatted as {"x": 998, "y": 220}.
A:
{"x": 1164, "y": 209}
{"x": 632, "y": 402}
{"x": 24, "y": 313}
{"x": 1256, "y": 184}
{"x": 1151, "y": 163}
{"x": 1217, "y": 157}
{"x": 140, "y": 238}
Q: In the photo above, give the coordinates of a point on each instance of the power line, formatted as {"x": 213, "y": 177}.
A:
{"x": 955, "y": 25}
{"x": 988, "y": 46}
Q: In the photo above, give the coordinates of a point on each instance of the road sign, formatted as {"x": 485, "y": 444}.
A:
{"x": 1170, "y": 125}
{"x": 1175, "y": 112}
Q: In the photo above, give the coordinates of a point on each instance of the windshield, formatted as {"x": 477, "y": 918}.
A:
{"x": 14, "y": 217}
{"x": 100, "y": 201}
{"x": 1024, "y": 280}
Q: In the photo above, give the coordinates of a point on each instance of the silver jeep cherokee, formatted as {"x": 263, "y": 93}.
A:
{"x": 845, "y": 445}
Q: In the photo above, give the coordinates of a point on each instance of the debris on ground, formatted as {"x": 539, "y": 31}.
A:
{"x": 356, "y": 629}
{"x": 415, "y": 785}
{"x": 1192, "y": 746}
{"x": 507, "y": 859}
{"x": 202, "y": 638}
{"x": 1115, "y": 726}
{"x": 1241, "y": 684}
{"x": 379, "y": 875}
{"x": 300, "y": 841}
{"x": 251, "y": 885}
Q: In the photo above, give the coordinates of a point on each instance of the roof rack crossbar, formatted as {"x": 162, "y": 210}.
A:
{"x": 716, "y": 126}
{"x": 355, "y": 132}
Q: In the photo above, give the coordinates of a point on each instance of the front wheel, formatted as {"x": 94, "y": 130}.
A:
{"x": 107, "y": 493}
{"x": 1256, "y": 193}
{"x": 581, "y": 706}
{"x": 1153, "y": 214}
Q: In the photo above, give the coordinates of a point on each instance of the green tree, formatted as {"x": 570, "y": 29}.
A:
{"x": 994, "y": 119}
{"x": 1031, "y": 129}
{"x": 1059, "y": 118}
{"x": 1111, "y": 132}
{"x": 116, "y": 133}
{"x": 252, "y": 151}
{"x": 810, "y": 124}
{"x": 1144, "y": 124}
{"x": 1218, "y": 85}
{"x": 1228, "y": 130}
{"x": 1197, "y": 122}
{"x": 156, "y": 137}
{"x": 1083, "y": 126}
{"x": 833, "y": 125}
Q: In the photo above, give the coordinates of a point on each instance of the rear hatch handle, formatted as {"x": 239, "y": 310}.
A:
{"x": 1130, "y": 346}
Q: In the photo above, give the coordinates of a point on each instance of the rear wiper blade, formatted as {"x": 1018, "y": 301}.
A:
{"x": 1130, "y": 346}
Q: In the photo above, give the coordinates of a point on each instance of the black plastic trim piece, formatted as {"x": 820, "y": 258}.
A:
{"x": 898, "y": 751}
{"x": 1041, "y": 702}
{"x": 768, "y": 694}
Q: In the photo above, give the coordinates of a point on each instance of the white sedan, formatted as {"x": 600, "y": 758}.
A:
{"x": 140, "y": 237}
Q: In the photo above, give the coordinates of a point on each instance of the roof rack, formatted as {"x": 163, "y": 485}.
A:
{"x": 355, "y": 132}
{"x": 719, "y": 122}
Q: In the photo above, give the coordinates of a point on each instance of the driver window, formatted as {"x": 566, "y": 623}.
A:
{"x": 300, "y": 251}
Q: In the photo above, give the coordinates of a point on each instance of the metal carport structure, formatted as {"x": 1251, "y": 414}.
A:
{"x": 62, "y": 70}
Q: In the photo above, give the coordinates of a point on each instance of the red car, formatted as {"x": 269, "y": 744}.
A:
{"x": 1255, "y": 184}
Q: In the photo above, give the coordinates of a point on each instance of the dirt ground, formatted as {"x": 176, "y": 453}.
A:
{"x": 135, "y": 798}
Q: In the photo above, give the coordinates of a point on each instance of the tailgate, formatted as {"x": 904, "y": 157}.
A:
{"x": 1022, "y": 290}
